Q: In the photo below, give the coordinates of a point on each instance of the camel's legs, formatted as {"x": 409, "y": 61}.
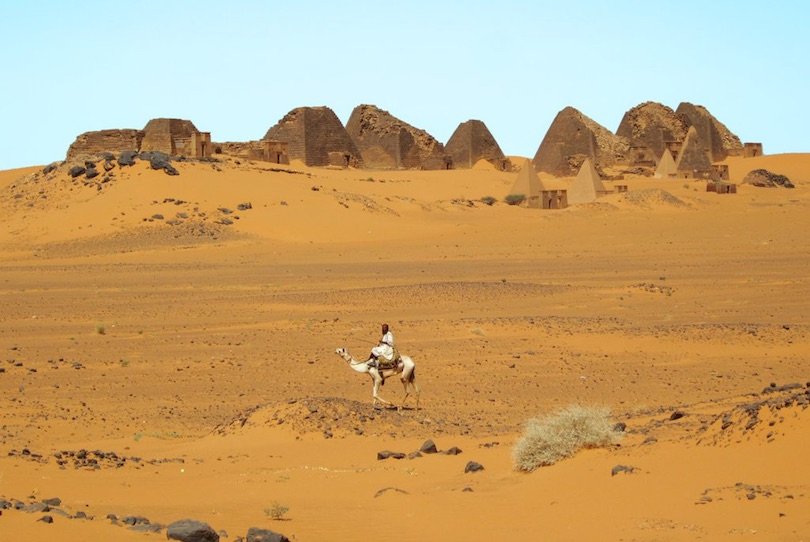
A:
{"x": 376, "y": 391}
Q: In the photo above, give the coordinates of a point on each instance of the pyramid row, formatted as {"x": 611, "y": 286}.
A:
{"x": 375, "y": 139}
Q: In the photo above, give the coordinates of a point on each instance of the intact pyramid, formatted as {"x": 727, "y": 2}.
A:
{"x": 587, "y": 186}
{"x": 528, "y": 184}
{"x": 693, "y": 156}
{"x": 316, "y": 137}
{"x": 471, "y": 142}
{"x": 666, "y": 166}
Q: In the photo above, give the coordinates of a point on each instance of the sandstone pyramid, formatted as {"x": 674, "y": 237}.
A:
{"x": 528, "y": 184}
{"x": 714, "y": 134}
{"x": 387, "y": 142}
{"x": 587, "y": 186}
{"x": 694, "y": 155}
{"x": 573, "y": 137}
{"x": 666, "y": 166}
{"x": 471, "y": 142}
{"x": 316, "y": 137}
{"x": 167, "y": 135}
{"x": 651, "y": 125}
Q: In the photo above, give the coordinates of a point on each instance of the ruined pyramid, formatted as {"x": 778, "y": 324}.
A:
{"x": 387, "y": 142}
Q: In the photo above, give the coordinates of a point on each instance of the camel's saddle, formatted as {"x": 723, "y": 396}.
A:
{"x": 383, "y": 363}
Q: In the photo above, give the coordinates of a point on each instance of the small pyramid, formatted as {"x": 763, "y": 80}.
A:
{"x": 528, "y": 183}
{"x": 718, "y": 139}
{"x": 693, "y": 155}
{"x": 587, "y": 186}
{"x": 666, "y": 166}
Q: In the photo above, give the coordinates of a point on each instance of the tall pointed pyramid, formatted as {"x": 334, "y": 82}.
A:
{"x": 528, "y": 183}
{"x": 693, "y": 156}
{"x": 587, "y": 186}
{"x": 666, "y": 166}
{"x": 471, "y": 142}
{"x": 718, "y": 139}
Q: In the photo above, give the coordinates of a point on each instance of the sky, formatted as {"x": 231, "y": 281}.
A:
{"x": 235, "y": 68}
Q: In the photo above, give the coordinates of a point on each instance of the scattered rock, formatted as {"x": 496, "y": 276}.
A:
{"x": 46, "y": 519}
{"x": 455, "y": 450}
{"x": 428, "y": 447}
{"x": 76, "y": 171}
{"x": 622, "y": 468}
{"x": 189, "y": 530}
{"x": 127, "y": 158}
{"x": 264, "y": 535}
{"x": 677, "y": 415}
{"x": 386, "y": 454}
{"x": 473, "y": 466}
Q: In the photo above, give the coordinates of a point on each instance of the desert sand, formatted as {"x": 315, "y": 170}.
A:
{"x": 187, "y": 345}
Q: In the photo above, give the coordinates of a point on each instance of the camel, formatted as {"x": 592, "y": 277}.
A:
{"x": 405, "y": 368}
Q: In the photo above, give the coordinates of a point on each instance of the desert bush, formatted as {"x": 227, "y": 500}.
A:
{"x": 489, "y": 200}
{"x": 553, "y": 437}
{"x": 276, "y": 511}
{"x": 514, "y": 199}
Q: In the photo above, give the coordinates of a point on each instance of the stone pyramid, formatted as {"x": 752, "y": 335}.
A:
{"x": 573, "y": 137}
{"x": 587, "y": 186}
{"x": 718, "y": 139}
{"x": 471, "y": 142}
{"x": 666, "y": 166}
{"x": 693, "y": 156}
{"x": 651, "y": 125}
{"x": 161, "y": 134}
{"x": 313, "y": 133}
{"x": 528, "y": 183}
{"x": 387, "y": 142}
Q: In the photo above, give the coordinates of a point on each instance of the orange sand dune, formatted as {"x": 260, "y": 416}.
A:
{"x": 181, "y": 330}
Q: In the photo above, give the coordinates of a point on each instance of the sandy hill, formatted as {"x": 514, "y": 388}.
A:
{"x": 167, "y": 351}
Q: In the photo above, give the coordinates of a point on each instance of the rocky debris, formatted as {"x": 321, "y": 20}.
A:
{"x": 651, "y": 198}
{"x": 766, "y": 179}
{"x": 388, "y": 454}
{"x": 473, "y": 466}
{"x": 95, "y": 459}
{"x": 428, "y": 447}
{"x": 76, "y": 171}
{"x": 677, "y": 415}
{"x": 127, "y": 158}
{"x": 622, "y": 468}
{"x": 256, "y": 534}
{"x": 189, "y": 530}
{"x": 46, "y": 519}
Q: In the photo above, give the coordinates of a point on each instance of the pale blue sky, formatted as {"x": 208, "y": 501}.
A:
{"x": 235, "y": 68}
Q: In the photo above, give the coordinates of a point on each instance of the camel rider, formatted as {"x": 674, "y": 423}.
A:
{"x": 384, "y": 354}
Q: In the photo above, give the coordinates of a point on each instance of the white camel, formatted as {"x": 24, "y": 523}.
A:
{"x": 405, "y": 368}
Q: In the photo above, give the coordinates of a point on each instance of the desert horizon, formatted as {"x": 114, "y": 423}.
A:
{"x": 168, "y": 352}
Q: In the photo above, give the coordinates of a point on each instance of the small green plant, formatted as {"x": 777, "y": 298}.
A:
{"x": 101, "y": 329}
{"x": 514, "y": 199}
{"x": 276, "y": 511}
{"x": 550, "y": 438}
{"x": 489, "y": 200}
{"x": 123, "y": 362}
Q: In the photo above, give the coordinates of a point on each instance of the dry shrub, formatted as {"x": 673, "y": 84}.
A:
{"x": 553, "y": 437}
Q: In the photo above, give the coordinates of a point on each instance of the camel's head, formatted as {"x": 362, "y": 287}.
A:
{"x": 340, "y": 351}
